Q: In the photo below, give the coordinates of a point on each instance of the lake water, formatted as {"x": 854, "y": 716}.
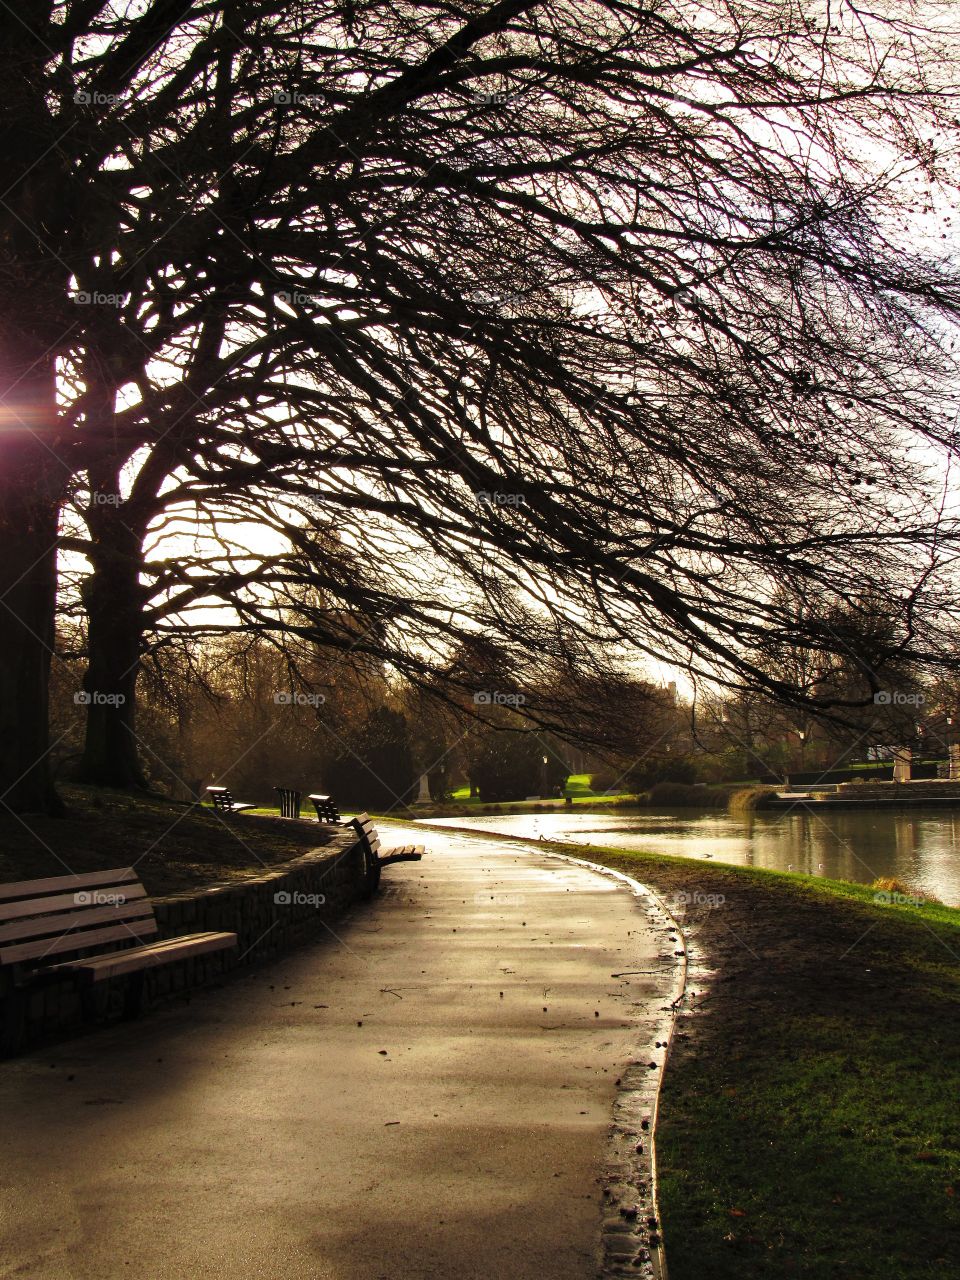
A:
{"x": 919, "y": 846}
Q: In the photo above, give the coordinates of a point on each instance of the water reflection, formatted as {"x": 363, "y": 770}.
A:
{"x": 918, "y": 846}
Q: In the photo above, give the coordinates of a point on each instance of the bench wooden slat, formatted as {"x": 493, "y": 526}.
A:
{"x": 135, "y": 930}
{"x": 60, "y": 902}
{"x": 223, "y": 801}
{"x": 58, "y": 884}
{"x": 405, "y": 853}
{"x": 151, "y": 956}
{"x": 158, "y": 945}
{"x": 74, "y": 921}
{"x": 368, "y": 832}
{"x": 46, "y": 931}
{"x": 325, "y": 806}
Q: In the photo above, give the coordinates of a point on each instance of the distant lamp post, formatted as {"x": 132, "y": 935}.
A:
{"x": 803, "y": 738}
{"x": 953, "y": 753}
{"x": 545, "y": 760}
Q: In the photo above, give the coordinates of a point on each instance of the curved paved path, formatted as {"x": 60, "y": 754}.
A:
{"x": 259, "y": 1131}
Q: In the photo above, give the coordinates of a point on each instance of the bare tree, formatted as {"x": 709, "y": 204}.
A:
{"x": 628, "y": 314}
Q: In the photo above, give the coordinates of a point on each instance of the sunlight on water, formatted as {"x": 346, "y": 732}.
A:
{"x": 920, "y": 847}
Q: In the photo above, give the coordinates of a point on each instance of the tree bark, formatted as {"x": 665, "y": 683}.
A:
{"x": 35, "y": 461}
{"x": 32, "y": 480}
{"x": 113, "y": 598}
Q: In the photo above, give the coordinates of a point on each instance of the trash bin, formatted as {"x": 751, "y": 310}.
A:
{"x": 289, "y": 802}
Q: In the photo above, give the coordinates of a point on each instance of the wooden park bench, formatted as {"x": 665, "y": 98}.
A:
{"x": 289, "y": 802}
{"x": 327, "y": 811}
{"x": 95, "y": 926}
{"x": 377, "y": 858}
{"x": 224, "y": 802}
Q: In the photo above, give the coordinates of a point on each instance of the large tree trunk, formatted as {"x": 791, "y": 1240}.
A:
{"x": 113, "y": 598}
{"x": 35, "y": 461}
{"x": 32, "y": 480}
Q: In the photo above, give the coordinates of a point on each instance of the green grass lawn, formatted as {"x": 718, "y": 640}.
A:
{"x": 577, "y": 787}
{"x": 810, "y": 1117}
{"x": 810, "y": 1123}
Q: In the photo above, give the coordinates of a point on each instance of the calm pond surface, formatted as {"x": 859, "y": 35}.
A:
{"x": 918, "y": 846}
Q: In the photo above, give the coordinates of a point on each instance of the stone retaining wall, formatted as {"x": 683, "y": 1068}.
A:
{"x": 909, "y": 791}
{"x": 880, "y": 795}
{"x": 270, "y": 914}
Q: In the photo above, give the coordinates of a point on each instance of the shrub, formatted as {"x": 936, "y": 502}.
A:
{"x": 677, "y": 795}
{"x": 746, "y": 799}
{"x": 654, "y": 769}
{"x": 891, "y": 884}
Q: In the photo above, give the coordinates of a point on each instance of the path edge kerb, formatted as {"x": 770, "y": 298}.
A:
{"x": 646, "y": 1161}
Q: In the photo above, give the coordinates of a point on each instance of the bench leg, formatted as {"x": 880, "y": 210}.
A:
{"x": 133, "y": 996}
{"x": 88, "y": 1000}
{"x": 371, "y": 873}
{"x": 13, "y": 1021}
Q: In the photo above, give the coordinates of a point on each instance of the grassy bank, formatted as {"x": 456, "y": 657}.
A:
{"x": 173, "y": 846}
{"x": 809, "y": 1123}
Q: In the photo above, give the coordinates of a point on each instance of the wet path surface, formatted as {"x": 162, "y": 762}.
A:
{"x": 261, "y": 1131}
